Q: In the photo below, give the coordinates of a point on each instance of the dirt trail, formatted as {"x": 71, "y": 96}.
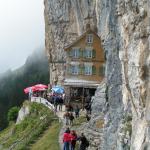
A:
{"x": 60, "y": 114}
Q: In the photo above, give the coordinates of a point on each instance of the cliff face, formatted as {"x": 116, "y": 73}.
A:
{"x": 124, "y": 29}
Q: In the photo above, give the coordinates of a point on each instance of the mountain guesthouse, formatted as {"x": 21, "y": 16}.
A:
{"x": 85, "y": 65}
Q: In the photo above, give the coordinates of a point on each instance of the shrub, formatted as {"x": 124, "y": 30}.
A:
{"x": 13, "y": 113}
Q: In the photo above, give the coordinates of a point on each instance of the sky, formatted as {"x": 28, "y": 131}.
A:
{"x": 21, "y": 31}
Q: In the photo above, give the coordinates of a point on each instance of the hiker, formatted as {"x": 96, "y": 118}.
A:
{"x": 66, "y": 139}
{"x": 88, "y": 108}
{"x": 60, "y": 103}
{"x": 69, "y": 108}
{"x": 88, "y": 99}
{"x": 56, "y": 100}
{"x": 88, "y": 117}
{"x": 76, "y": 110}
{"x": 71, "y": 118}
{"x": 73, "y": 137}
{"x": 84, "y": 142}
{"x": 66, "y": 117}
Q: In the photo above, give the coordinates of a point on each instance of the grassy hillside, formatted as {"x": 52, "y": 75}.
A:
{"x": 49, "y": 140}
{"x": 35, "y": 70}
{"x": 38, "y": 131}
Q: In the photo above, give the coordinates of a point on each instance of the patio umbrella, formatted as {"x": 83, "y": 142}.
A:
{"x": 58, "y": 89}
{"x": 41, "y": 86}
{"x": 31, "y": 88}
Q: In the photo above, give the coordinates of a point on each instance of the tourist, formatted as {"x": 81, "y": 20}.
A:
{"x": 84, "y": 142}
{"x": 73, "y": 137}
{"x": 88, "y": 99}
{"x": 69, "y": 108}
{"x": 71, "y": 118}
{"x": 88, "y": 108}
{"x": 76, "y": 110}
{"x": 56, "y": 101}
{"x": 66, "y": 139}
{"x": 66, "y": 117}
{"x": 60, "y": 103}
{"x": 88, "y": 117}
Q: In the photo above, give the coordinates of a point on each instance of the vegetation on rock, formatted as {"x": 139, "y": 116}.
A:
{"x": 13, "y": 113}
{"x": 24, "y": 134}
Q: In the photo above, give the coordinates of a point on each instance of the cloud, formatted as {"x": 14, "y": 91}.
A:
{"x": 21, "y": 30}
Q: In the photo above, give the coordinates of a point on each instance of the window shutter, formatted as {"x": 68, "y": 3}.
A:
{"x": 71, "y": 53}
{"x": 80, "y": 69}
{"x": 94, "y": 53}
{"x": 102, "y": 70}
{"x": 81, "y": 66}
{"x": 84, "y": 53}
{"x": 80, "y": 53}
{"x": 93, "y": 70}
{"x": 68, "y": 69}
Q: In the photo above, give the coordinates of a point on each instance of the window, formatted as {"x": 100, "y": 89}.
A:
{"x": 75, "y": 69}
{"x": 88, "y": 70}
{"x": 89, "y": 38}
{"x": 75, "y": 52}
{"x": 89, "y": 53}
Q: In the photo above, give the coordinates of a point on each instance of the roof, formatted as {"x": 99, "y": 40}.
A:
{"x": 81, "y": 37}
{"x": 80, "y": 83}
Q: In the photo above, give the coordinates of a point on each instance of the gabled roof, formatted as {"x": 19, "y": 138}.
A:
{"x": 79, "y": 38}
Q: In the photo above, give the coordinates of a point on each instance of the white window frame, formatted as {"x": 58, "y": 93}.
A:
{"x": 75, "y": 52}
{"x": 88, "y": 69}
{"x": 89, "y": 38}
{"x": 89, "y": 53}
{"x": 75, "y": 69}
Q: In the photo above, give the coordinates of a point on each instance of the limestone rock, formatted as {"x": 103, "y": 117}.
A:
{"x": 124, "y": 29}
{"x": 23, "y": 112}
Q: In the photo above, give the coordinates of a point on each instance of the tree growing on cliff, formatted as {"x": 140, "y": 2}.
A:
{"x": 13, "y": 113}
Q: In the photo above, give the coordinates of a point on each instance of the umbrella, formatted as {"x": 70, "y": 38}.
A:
{"x": 41, "y": 86}
{"x": 30, "y": 89}
{"x": 41, "y": 89}
{"x": 58, "y": 89}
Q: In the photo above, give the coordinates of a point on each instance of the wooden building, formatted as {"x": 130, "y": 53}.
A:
{"x": 85, "y": 65}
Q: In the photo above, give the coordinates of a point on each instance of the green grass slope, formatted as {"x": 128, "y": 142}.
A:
{"x": 40, "y": 127}
{"x": 49, "y": 140}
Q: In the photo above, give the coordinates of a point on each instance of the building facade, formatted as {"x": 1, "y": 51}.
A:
{"x": 85, "y": 64}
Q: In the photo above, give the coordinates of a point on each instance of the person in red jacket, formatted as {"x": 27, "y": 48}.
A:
{"x": 73, "y": 137}
{"x": 66, "y": 139}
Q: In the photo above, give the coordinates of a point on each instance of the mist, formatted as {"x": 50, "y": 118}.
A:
{"x": 21, "y": 31}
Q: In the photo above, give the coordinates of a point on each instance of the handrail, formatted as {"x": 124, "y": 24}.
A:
{"x": 42, "y": 101}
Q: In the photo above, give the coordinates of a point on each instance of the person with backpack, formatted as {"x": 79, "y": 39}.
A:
{"x": 71, "y": 118}
{"x": 55, "y": 102}
{"x": 73, "y": 137}
{"x": 76, "y": 110}
{"x": 60, "y": 103}
{"x": 84, "y": 142}
{"x": 66, "y": 139}
{"x": 67, "y": 118}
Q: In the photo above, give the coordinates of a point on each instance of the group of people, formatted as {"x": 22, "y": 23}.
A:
{"x": 57, "y": 100}
{"x": 70, "y": 138}
{"x": 69, "y": 116}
